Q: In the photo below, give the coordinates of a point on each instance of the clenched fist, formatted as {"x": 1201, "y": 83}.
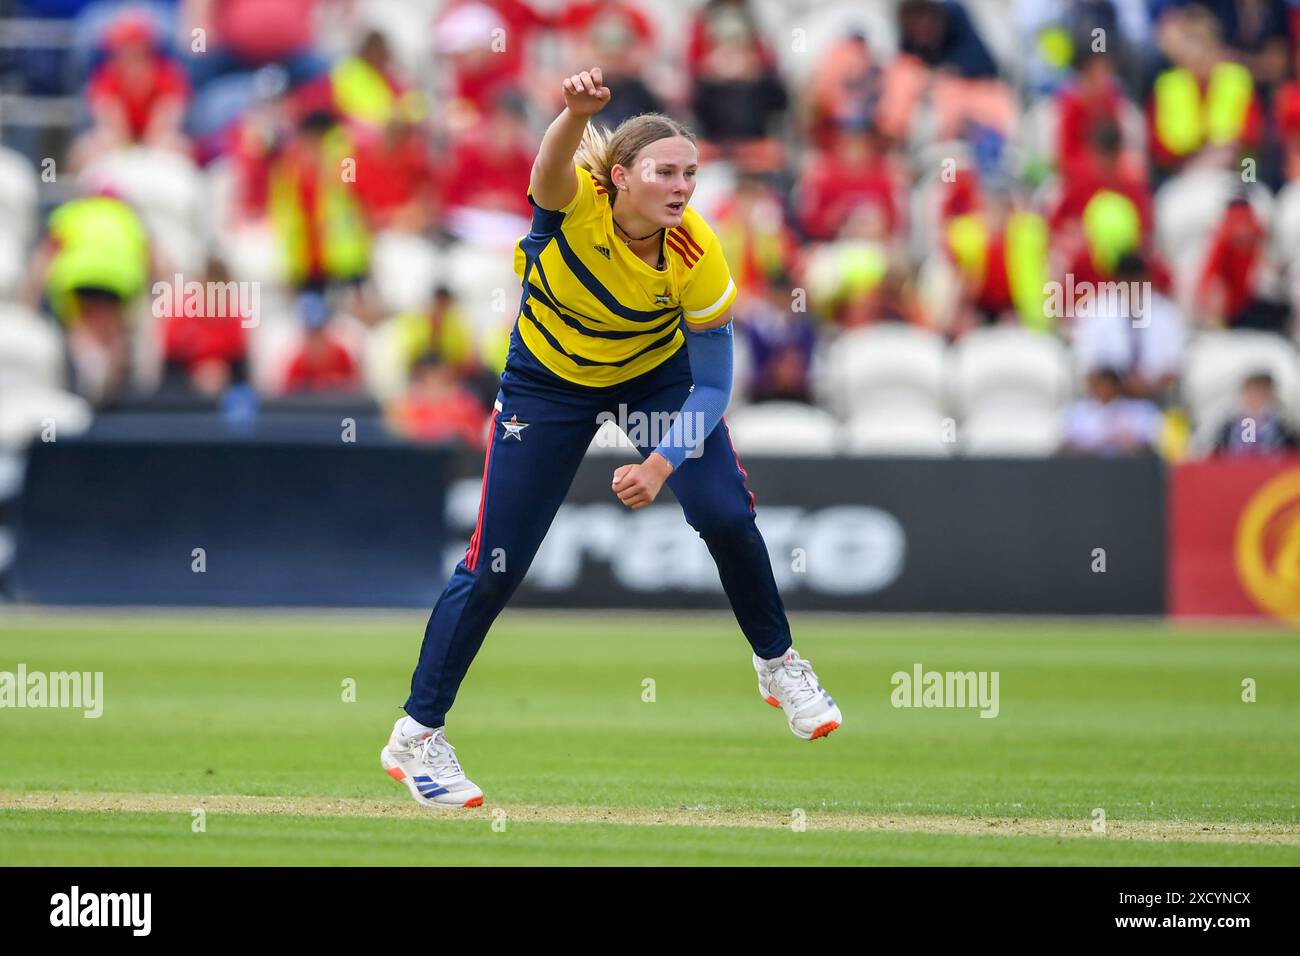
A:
{"x": 638, "y": 485}
{"x": 583, "y": 93}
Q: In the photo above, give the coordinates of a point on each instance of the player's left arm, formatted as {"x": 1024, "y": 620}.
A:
{"x": 706, "y": 322}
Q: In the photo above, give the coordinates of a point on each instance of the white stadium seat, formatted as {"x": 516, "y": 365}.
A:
{"x": 613, "y": 441}
{"x": 405, "y": 269}
{"x": 1217, "y": 362}
{"x": 888, "y": 364}
{"x": 1188, "y": 208}
{"x": 901, "y": 430}
{"x": 19, "y": 189}
{"x": 785, "y": 428}
{"x": 1009, "y": 367}
{"x": 31, "y": 349}
{"x": 161, "y": 185}
{"x": 1027, "y": 431}
{"x": 25, "y": 412}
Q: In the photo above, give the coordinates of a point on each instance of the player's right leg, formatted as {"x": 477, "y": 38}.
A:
{"x": 540, "y": 433}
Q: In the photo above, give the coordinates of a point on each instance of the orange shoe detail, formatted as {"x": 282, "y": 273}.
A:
{"x": 824, "y": 729}
{"x": 772, "y": 700}
{"x": 474, "y": 802}
{"x": 397, "y": 774}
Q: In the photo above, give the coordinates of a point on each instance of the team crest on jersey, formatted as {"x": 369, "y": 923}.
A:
{"x": 603, "y": 250}
{"x": 663, "y": 299}
{"x": 514, "y": 428}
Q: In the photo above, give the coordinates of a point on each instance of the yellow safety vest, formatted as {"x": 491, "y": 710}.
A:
{"x": 361, "y": 92}
{"x": 345, "y": 245}
{"x": 1185, "y": 121}
{"x": 1026, "y": 259}
{"x": 101, "y": 244}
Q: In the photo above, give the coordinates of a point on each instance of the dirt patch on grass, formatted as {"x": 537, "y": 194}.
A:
{"x": 1173, "y": 830}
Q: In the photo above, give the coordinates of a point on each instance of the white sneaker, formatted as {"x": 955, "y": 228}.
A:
{"x": 427, "y": 764}
{"x": 789, "y": 683}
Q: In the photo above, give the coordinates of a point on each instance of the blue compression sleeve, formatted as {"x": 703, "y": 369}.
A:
{"x": 710, "y": 355}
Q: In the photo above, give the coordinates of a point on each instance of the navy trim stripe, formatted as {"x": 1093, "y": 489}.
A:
{"x": 580, "y": 360}
{"x": 577, "y": 326}
{"x": 546, "y": 222}
{"x": 594, "y": 286}
{"x": 553, "y": 298}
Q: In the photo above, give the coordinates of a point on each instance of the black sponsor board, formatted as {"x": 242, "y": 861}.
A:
{"x": 110, "y": 522}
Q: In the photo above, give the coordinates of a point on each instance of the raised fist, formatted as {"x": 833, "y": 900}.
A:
{"x": 583, "y": 93}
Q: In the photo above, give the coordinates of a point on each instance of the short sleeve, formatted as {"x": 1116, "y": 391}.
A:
{"x": 710, "y": 290}
{"x": 585, "y": 202}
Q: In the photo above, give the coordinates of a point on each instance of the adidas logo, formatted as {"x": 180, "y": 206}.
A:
{"x": 603, "y": 250}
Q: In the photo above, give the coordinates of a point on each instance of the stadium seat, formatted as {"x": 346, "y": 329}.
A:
{"x": 31, "y": 350}
{"x": 1216, "y": 364}
{"x": 167, "y": 189}
{"x": 785, "y": 428}
{"x": 1009, "y": 368}
{"x": 25, "y": 412}
{"x": 19, "y": 188}
{"x": 405, "y": 24}
{"x": 1026, "y": 431}
{"x": 610, "y": 440}
{"x": 824, "y": 23}
{"x": 900, "y": 430}
{"x": 484, "y": 282}
{"x": 1286, "y": 223}
{"x": 1187, "y": 209}
{"x": 405, "y": 270}
{"x": 888, "y": 364}
{"x": 13, "y": 264}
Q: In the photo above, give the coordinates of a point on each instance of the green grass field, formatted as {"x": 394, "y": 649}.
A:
{"x": 243, "y": 716}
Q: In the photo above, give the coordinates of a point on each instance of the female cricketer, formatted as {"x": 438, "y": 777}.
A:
{"x": 626, "y": 301}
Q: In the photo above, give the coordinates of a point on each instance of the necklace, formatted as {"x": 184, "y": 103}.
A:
{"x": 631, "y": 239}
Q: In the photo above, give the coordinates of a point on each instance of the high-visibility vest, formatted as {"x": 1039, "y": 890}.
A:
{"x": 345, "y": 242}
{"x": 1112, "y": 226}
{"x": 1185, "y": 121}
{"x": 361, "y": 92}
{"x": 454, "y": 342}
{"x": 1026, "y": 245}
{"x": 101, "y": 244}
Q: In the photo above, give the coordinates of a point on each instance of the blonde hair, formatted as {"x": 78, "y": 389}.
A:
{"x": 600, "y": 150}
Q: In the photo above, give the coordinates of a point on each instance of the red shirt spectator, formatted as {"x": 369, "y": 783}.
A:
{"x": 1093, "y": 101}
{"x": 489, "y": 168}
{"x": 1227, "y": 283}
{"x": 393, "y": 172}
{"x": 580, "y": 14}
{"x": 482, "y": 71}
{"x": 135, "y": 79}
{"x": 321, "y": 365}
{"x": 853, "y": 173}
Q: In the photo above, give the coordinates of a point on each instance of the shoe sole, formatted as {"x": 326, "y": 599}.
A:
{"x": 397, "y": 773}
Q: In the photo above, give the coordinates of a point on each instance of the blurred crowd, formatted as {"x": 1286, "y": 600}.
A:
{"x": 354, "y": 173}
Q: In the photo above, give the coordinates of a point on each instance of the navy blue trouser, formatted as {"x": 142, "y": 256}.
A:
{"x": 525, "y": 479}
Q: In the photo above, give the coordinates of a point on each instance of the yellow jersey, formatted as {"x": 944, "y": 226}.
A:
{"x": 595, "y": 313}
